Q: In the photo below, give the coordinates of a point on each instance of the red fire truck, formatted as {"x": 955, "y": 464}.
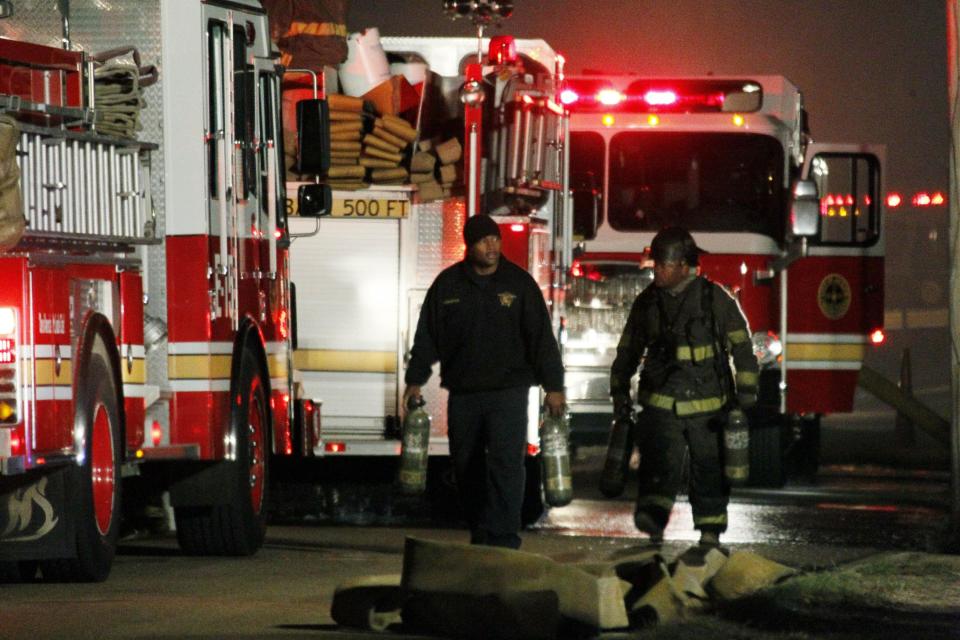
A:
{"x": 793, "y": 228}
{"x": 144, "y": 314}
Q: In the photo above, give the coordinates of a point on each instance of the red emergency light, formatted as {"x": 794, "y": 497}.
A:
{"x": 16, "y": 445}
{"x": 894, "y": 200}
{"x": 926, "y": 199}
{"x": 502, "y": 50}
{"x": 877, "y": 336}
{"x": 658, "y": 96}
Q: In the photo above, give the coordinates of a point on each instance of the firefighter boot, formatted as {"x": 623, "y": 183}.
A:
{"x": 709, "y": 538}
{"x": 649, "y": 526}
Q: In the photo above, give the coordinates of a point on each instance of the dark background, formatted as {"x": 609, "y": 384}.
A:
{"x": 871, "y": 71}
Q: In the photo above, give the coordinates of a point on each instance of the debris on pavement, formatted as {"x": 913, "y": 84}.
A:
{"x": 474, "y": 591}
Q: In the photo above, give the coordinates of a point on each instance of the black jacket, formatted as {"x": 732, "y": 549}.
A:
{"x": 488, "y": 332}
{"x": 681, "y": 351}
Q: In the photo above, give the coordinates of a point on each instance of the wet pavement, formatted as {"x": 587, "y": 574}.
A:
{"x": 845, "y": 504}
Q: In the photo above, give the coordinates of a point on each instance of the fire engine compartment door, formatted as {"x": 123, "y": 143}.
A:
{"x": 348, "y": 291}
{"x": 834, "y": 295}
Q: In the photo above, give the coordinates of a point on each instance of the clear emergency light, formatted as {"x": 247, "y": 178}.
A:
{"x": 662, "y": 96}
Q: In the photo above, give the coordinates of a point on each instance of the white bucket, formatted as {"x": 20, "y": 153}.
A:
{"x": 414, "y": 72}
{"x": 366, "y": 65}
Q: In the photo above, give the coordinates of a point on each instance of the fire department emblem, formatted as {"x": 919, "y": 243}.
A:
{"x": 506, "y": 298}
{"x": 834, "y": 296}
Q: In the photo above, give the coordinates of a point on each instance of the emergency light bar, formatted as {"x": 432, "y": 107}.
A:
{"x": 663, "y": 96}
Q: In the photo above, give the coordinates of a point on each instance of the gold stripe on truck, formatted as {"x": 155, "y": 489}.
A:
{"x": 799, "y": 352}
{"x": 46, "y": 372}
{"x": 351, "y": 361}
{"x": 136, "y": 373}
{"x": 199, "y": 367}
{"x": 277, "y": 365}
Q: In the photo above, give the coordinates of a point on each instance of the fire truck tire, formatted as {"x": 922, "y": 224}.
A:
{"x": 238, "y": 527}
{"x": 767, "y": 467}
{"x": 97, "y": 480}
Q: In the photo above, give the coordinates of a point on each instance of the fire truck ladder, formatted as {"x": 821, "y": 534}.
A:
{"x": 79, "y": 187}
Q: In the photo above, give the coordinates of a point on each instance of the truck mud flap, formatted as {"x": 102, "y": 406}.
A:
{"x": 36, "y": 519}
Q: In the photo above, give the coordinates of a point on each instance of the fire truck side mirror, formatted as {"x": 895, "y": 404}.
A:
{"x": 314, "y": 200}
{"x": 313, "y": 137}
{"x": 804, "y": 210}
{"x": 587, "y": 204}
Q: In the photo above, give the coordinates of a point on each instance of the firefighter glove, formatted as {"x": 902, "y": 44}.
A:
{"x": 622, "y": 405}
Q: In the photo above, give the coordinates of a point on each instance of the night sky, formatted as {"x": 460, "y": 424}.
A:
{"x": 871, "y": 71}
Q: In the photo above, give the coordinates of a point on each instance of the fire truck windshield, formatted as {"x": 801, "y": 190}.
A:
{"x": 702, "y": 181}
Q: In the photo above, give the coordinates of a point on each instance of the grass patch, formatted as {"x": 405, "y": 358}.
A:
{"x": 894, "y": 580}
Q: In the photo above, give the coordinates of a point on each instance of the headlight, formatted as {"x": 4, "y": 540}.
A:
{"x": 767, "y": 347}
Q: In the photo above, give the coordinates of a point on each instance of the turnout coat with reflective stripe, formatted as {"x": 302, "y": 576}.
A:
{"x": 672, "y": 337}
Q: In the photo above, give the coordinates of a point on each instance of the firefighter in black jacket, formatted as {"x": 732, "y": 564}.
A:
{"x": 681, "y": 330}
{"x": 485, "y": 320}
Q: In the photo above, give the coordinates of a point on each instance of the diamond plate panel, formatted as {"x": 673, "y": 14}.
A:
{"x": 98, "y": 25}
{"x": 36, "y": 21}
{"x": 429, "y": 242}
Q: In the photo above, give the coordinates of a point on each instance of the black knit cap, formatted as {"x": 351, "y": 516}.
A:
{"x": 675, "y": 244}
{"x": 479, "y": 227}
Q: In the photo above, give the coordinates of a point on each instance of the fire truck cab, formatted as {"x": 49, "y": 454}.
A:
{"x": 794, "y": 229}
{"x": 144, "y": 313}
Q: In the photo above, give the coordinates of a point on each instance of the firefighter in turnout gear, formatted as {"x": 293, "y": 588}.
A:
{"x": 683, "y": 331}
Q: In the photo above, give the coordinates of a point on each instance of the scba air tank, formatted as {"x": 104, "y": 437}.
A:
{"x": 555, "y": 459}
{"x": 736, "y": 448}
{"x": 414, "y": 449}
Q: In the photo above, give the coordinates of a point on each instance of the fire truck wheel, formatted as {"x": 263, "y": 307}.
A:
{"x": 98, "y": 478}
{"x": 238, "y": 527}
